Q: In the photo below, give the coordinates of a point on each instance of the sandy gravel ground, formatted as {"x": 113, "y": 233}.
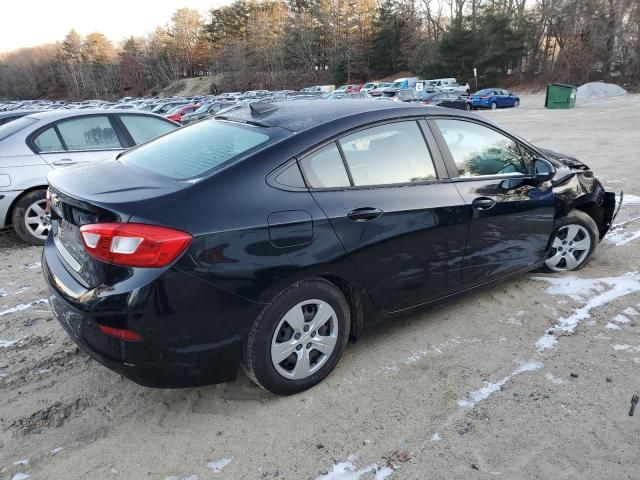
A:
{"x": 463, "y": 391}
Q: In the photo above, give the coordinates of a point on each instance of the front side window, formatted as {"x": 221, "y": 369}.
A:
{"x": 388, "y": 154}
{"x": 324, "y": 168}
{"x": 48, "y": 141}
{"x": 143, "y": 128}
{"x": 478, "y": 150}
{"x": 89, "y": 133}
{"x": 196, "y": 150}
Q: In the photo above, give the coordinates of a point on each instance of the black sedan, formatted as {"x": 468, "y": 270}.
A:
{"x": 270, "y": 236}
{"x": 445, "y": 99}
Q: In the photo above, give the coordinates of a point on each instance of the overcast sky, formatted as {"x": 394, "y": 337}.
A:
{"x": 26, "y": 23}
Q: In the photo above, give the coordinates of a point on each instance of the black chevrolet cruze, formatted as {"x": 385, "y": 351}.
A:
{"x": 270, "y": 236}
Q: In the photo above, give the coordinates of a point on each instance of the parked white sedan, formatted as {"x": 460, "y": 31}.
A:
{"x": 31, "y": 146}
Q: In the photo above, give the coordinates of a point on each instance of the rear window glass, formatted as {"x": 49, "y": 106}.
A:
{"x": 10, "y": 128}
{"x": 196, "y": 150}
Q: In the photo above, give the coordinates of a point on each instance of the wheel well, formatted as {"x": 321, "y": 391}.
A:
{"x": 595, "y": 212}
{"x": 355, "y": 304}
{"x": 8, "y": 220}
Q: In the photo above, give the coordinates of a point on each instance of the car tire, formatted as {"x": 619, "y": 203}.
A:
{"x": 494, "y": 105}
{"x": 516, "y": 104}
{"x": 29, "y": 219}
{"x": 271, "y": 337}
{"x": 467, "y": 107}
{"x": 577, "y": 228}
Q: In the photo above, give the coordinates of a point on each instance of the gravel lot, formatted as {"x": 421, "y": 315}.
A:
{"x": 463, "y": 391}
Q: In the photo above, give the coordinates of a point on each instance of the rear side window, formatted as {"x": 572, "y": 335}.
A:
{"x": 142, "y": 128}
{"x": 324, "y": 168}
{"x": 196, "y": 150}
{"x": 10, "y": 128}
{"x": 48, "y": 141}
{"x": 89, "y": 133}
{"x": 388, "y": 154}
{"x": 478, "y": 150}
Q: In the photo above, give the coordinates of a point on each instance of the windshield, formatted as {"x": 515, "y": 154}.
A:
{"x": 195, "y": 151}
{"x": 369, "y": 85}
{"x": 10, "y": 128}
{"x": 397, "y": 84}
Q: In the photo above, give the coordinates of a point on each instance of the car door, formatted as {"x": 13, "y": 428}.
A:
{"x": 80, "y": 139}
{"x": 401, "y": 221}
{"x": 510, "y": 214}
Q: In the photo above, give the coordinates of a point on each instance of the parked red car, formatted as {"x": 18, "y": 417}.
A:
{"x": 177, "y": 113}
{"x": 354, "y": 88}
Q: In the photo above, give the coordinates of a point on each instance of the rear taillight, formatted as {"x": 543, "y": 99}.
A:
{"x": 426, "y": 102}
{"x": 134, "y": 244}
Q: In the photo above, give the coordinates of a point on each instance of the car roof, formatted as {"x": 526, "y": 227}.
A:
{"x": 306, "y": 114}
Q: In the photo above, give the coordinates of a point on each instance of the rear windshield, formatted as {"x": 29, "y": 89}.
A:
{"x": 196, "y": 150}
{"x": 14, "y": 126}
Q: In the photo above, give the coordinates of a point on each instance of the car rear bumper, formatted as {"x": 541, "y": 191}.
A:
{"x": 192, "y": 332}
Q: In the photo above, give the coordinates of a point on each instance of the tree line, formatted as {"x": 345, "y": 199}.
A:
{"x": 278, "y": 44}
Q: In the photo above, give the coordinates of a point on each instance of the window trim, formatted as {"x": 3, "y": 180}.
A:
{"x": 434, "y": 152}
{"x": 448, "y": 157}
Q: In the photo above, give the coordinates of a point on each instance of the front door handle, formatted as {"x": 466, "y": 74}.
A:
{"x": 483, "y": 203}
{"x": 64, "y": 161}
{"x": 364, "y": 214}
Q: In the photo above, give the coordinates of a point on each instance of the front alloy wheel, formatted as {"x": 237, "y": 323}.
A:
{"x": 573, "y": 243}
{"x": 570, "y": 248}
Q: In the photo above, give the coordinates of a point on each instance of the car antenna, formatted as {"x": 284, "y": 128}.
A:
{"x": 258, "y": 108}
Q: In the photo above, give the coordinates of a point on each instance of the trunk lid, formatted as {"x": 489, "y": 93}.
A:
{"x": 79, "y": 196}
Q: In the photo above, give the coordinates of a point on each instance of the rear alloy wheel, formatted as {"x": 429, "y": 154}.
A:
{"x": 298, "y": 338}
{"x": 573, "y": 244}
{"x": 30, "y": 219}
{"x": 494, "y": 105}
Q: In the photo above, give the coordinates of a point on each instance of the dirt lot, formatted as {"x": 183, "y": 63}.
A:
{"x": 464, "y": 391}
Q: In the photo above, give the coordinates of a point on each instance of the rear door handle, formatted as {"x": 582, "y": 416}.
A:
{"x": 364, "y": 214}
{"x": 483, "y": 203}
{"x": 63, "y": 161}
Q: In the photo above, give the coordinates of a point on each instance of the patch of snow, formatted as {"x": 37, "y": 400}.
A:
{"x": 218, "y": 465}
{"x": 7, "y": 343}
{"x": 636, "y": 360}
{"x": 20, "y": 476}
{"x": 348, "y": 471}
{"x": 600, "y": 89}
{"x": 592, "y": 292}
{"x": 629, "y": 199}
{"x": 22, "y": 306}
{"x": 491, "y": 387}
{"x": 189, "y": 477}
{"x": 545, "y": 342}
{"x": 620, "y": 237}
{"x": 631, "y": 311}
{"x": 3, "y": 293}
{"x": 621, "y": 319}
{"x": 612, "y": 326}
{"x": 553, "y": 379}
{"x": 627, "y": 348}
{"x": 56, "y": 450}
{"x": 436, "y": 437}
{"x": 33, "y": 265}
{"x": 24, "y": 461}
{"x": 415, "y": 357}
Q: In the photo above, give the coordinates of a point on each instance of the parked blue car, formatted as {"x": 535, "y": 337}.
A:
{"x": 494, "y": 98}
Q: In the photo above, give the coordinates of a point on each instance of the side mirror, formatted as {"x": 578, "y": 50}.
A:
{"x": 542, "y": 171}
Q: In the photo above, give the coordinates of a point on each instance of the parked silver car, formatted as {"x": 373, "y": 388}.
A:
{"x": 31, "y": 146}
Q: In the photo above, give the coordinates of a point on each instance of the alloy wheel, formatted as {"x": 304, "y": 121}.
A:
{"x": 570, "y": 248}
{"x": 37, "y": 220}
{"x": 304, "y": 339}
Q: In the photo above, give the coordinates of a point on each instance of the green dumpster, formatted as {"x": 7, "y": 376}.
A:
{"x": 560, "y": 95}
